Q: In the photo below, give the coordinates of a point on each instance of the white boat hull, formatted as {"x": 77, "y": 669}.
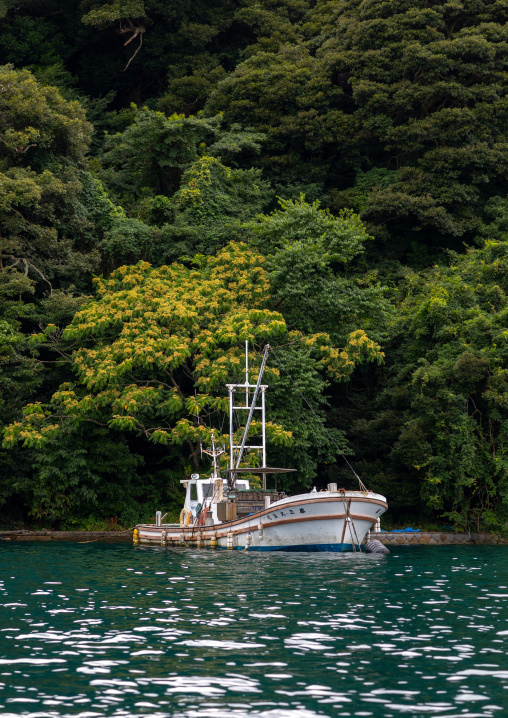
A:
{"x": 323, "y": 521}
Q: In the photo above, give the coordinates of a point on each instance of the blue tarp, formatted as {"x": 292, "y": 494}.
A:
{"x": 409, "y": 529}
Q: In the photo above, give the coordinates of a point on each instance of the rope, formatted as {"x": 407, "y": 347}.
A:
{"x": 352, "y": 527}
{"x": 360, "y": 482}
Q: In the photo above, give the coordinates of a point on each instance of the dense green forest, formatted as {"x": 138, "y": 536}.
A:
{"x": 328, "y": 176}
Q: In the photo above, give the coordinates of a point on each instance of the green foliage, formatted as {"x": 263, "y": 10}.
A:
{"x": 430, "y": 103}
{"x": 211, "y": 192}
{"x": 43, "y": 141}
{"x": 30, "y": 42}
{"x": 415, "y": 90}
{"x": 388, "y": 114}
{"x": 308, "y": 249}
{"x": 445, "y": 399}
{"x": 152, "y": 154}
{"x": 101, "y": 13}
{"x": 87, "y": 470}
{"x": 154, "y": 151}
{"x": 211, "y": 207}
{"x": 169, "y": 172}
{"x": 189, "y": 85}
{"x": 288, "y": 400}
{"x": 290, "y": 96}
{"x": 333, "y": 238}
{"x": 39, "y": 127}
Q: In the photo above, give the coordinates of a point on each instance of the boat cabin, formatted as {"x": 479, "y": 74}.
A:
{"x": 209, "y": 490}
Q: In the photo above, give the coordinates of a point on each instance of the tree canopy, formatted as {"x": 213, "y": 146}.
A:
{"x": 157, "y": 346}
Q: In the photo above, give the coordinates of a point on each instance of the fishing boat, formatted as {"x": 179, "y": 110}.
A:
{"x": 226, "y": 512}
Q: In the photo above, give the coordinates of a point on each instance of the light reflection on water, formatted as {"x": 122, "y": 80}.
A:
{"x": 110, "y": 630}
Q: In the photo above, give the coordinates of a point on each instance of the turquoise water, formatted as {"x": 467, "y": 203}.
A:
{"x": 112, "y": 630}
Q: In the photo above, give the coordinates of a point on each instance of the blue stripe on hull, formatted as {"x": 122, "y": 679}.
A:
{"x": 337, "y": 547}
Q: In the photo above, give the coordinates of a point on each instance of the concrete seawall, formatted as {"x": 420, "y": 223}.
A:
{"x": 424, "y": 538}
{"x": 76, "y": 536}
{"x": 421, "y": 538}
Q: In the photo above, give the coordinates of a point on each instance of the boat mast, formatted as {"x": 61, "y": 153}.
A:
{"x": 258, "y": 387}
{"x": 252, "y": 406}
{"x": 214, "y": 453}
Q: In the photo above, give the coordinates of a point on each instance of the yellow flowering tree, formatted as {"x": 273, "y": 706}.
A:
{"x": 154, "y": 349}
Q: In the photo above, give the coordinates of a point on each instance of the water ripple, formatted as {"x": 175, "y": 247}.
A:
{"x": 109, "y": 630}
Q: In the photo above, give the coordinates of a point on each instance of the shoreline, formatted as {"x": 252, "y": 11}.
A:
{"x": 420, "y": 538}
{"x": 436, "y": 538}
{"x": 75, "y": 536}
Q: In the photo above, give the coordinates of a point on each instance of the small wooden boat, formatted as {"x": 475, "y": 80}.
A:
{"x": 227, "y": 513}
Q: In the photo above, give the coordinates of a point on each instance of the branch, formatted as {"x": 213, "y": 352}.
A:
{"x": 136, "y": 32}
{"x": 146, "y": 382}
{"x": 94, "y": 421}
{"x": 22, "y": 149}
{"x": 139, "y": 32}
{"x": 193, "y": 455}
{"x": 175, "y": 385}
{"x": 17, "y": 260}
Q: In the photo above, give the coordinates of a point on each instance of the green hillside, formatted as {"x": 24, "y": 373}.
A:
{"x": 328, "y": 176}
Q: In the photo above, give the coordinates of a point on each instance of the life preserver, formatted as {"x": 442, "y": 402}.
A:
{"x": 185, "y": 518}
